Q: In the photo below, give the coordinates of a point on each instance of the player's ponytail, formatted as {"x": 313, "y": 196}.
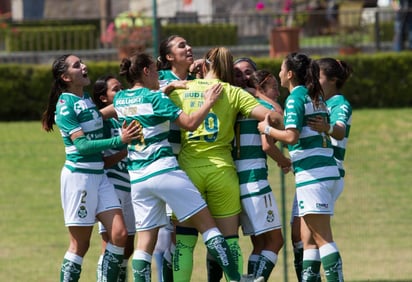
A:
{"x": 58, "y": 86}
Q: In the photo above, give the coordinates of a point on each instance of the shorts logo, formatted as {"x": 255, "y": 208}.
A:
{"x": 301, "y": 205}
{"x": 322, "y": 206}
{"x": 270, "y": 217}
{"x": 82, "y": 213}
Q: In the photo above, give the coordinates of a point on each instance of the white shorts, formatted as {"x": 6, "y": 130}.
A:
{"x": 127, "y": 209}
{"x": 84, "y": 196}
{"x": 259, "y": 214}
{"x": 318, "y": 198}
{"x": 149, "y": 199}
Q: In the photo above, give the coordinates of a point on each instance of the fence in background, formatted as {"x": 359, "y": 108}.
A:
{"x": 371, "y": 29}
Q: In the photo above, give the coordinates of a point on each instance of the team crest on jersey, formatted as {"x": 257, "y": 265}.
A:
{"x": 270, "y": 217}
{"x": 82, "y": 213}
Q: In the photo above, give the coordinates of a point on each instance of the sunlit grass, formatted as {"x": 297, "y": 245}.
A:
{"x": 372, "y": 223}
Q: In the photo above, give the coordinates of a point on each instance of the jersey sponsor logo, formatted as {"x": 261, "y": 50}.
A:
{"x": 290, "y": 104}
{"x": 126, "y": 101}
{"x": 64, "y": 111}
{"x": 203, "y": 82}
{"x": 193, "y": 95}
{"x": 322, "y": 205}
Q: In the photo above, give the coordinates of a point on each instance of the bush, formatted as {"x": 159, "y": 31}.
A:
{"x": 46, "y": 38}
{"x": 381, "y": 80}
{"x": 25, "y": 88}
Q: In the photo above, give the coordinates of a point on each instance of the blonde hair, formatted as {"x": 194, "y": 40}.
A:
{"x": 219, "y": 60}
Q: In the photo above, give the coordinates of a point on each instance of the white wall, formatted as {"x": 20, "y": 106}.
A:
{"x": 17, "y": 9}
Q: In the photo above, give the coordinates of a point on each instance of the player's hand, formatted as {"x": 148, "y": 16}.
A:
{"x": 318, "y": 123}
{"x": 212, "y": 93}
{"x": 132, "y": 131}
{"x": 262, "y": 125}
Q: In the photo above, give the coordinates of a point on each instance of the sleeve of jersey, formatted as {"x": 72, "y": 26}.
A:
{"x": 90, "y": 147}
{"x": 246, "y": 102}
{"x": 66, "y": 118}
{"x": 294, "y": 112}
{"x": 164, "y": 107}
{"x": 341, "y": 112}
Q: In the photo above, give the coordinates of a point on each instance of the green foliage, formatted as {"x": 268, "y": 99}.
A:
{"x": 379, "y": 80}
{"x": 25, "y": 88}
{"x": 203, "y": 34}
{"x": 44, "y": 38}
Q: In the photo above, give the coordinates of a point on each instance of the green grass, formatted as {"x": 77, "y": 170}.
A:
{"x": 372, "y": 224}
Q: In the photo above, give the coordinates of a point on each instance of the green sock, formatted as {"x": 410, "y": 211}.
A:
{"x": 123, "y": 271}
{"x": 112, "y": 259}
{"x": 71, "y": 268}
{"x": 221, "y": 251}
{"x": 186, "y": 239}
{"x": 266, "y": 263}
{"x": 214, "y": 270}
{"x": 252, "y": 263}
{"x": 167, "y": 269}
{"x": 298, "y": 258}
{"x": 141, "y": 264}
{"x": 311, "y": 265}
{"x": 332, "y": 262}
{"x": 236, "y": 252}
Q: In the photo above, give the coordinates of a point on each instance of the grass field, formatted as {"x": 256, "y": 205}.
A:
{"x": 372, "y": 225}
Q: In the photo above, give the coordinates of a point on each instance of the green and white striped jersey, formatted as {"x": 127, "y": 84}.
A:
{"x": 312, "y": 155}
{"x": 154, "y": 110}
{"x": 117, "y": 174}
{"x": 340, "y": 111}
{"x": 74, "y": 113}
{"x": 250, "y": 159}
{"x": 165, "y": 78}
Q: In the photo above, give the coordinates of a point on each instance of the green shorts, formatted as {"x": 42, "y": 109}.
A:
{"x": 219, "y": 187}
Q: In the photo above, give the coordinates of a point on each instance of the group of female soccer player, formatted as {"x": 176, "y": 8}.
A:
{"x": 186, "y": 142}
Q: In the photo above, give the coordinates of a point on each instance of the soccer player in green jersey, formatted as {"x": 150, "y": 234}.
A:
{"x": 333, "y": 76}
{"x": 86, "y": 192}
{"x": 260, "y": 217}
{"x": 316, "y": 173}
{"x": 175, "y": 66}
{"x": 115, "y": 164}
{"x": 206, "y": 154}
{"x": 155, "y": 175}
{"x": 174, "y": 63}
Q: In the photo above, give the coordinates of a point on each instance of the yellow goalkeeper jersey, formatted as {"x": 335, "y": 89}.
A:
{"x": 211, "y": 142}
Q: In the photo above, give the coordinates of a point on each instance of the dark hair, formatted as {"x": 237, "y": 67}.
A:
{"x": 333, "y": 68}
{"x": 258, "y": 79}
{"x": 58, "y": 86}
{"x": 248, "y": 60}
{"x": 132, "y": 68}
{"x": 220, "y": 61}
{"x": 306, "y": 72}
{"x": 100, "y": 89}
{"x": 165, "y": 49}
